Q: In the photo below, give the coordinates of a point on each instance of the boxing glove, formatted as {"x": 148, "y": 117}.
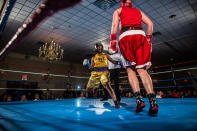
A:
{"x": 149, "y": 39}
{"x": 113, "y": 43}
{"x": 86, "y": 63}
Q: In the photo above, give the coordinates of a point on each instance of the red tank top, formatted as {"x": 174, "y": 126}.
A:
{"x": 130, "y": 16}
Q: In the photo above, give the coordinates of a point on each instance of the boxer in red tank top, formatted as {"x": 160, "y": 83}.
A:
{"x": 135, "y": 47}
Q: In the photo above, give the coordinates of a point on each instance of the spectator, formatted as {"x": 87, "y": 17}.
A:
{"x": 36, "y": 97}
{"x": 130, "y": 94}
{"x": 194, "y": 93}
{"x": 162, "y": 94}
{"x": 175, "y": 94}
{"x": 158, "y": 94}
{"x": 9, "y": 98}
{"x": 82, "y": 95}
{"x": 23, "y": 97}
{"x": 188, "y": 93}
{"x": 182, "y": 94}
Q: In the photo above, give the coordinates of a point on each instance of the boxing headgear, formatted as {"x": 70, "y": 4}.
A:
{"x": 97, "y": 45}
{"x": 127, "y": 3}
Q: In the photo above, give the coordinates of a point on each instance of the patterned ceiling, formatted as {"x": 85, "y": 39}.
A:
{"x": 77, "y": 29}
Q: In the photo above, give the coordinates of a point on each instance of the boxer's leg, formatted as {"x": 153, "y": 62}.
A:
{"x": 133, "y": 80}
{"x": 147, "y": 83}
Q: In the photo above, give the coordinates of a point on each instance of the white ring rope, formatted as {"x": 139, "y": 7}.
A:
{"x": 82, "y": 77}
{"x": 35, "y": 73}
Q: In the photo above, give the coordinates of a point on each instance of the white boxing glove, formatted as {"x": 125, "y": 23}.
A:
{"x": 86, "y": 63}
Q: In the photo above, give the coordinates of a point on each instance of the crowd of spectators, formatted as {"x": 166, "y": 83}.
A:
{"x": 72, "y": 92}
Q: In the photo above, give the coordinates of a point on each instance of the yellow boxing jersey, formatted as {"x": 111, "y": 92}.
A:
{"x": 100, "y": 73}
{"x": 100, "y": 60}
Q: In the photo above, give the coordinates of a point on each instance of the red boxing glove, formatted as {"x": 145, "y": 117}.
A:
{"x": 113, "y": 46}
{"x": 113, "y": 37}
{"x": 113, "y": 43}
{"x": 149, "y": 39}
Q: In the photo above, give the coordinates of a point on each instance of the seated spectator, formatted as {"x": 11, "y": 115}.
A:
{"x": 23, "y": 98}
{"x": 5, "y": 97}
{"x": 188, "y": 93}
{"x": 44, "y": 97}
{"x": 162, "y": 94}
{"x": 158, "y": 95}
{"x": 82, "y": 95}
{"x": 36, "y": 97}
{"x": 9, "y": 98}
{"x": 169, "y": 93}
{"x": 194, "y": 93}
{"x": 182, "y": 94}
{"x": 130, "y": 94}
{"x": 175, "y": 94}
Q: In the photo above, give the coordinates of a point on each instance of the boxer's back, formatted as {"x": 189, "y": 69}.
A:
{"x": 130, "y": 16}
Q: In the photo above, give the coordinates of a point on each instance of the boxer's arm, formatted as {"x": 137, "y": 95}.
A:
{"x": 149, "y": 32}
{"x": 148, "y": 22}
{"x": 114, "y": 29}
{"x": 115, "y": 22}
{"x": 111, "y": 60}
{"x": 92, "y": 63}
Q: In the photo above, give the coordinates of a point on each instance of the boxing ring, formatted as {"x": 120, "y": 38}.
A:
{"x": 88, "y": 113}
{"x": 92, "y": 114}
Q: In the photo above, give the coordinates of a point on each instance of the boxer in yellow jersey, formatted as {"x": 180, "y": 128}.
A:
{"x": 100, "y": 72}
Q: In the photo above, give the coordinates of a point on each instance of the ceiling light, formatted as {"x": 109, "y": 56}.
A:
{"x": 51, "y": 51}
{"x": 172, "y": 16}
{"x": 156, "y": 33}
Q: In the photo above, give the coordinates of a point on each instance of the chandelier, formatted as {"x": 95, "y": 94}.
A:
{"x": 51, "y": 52}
